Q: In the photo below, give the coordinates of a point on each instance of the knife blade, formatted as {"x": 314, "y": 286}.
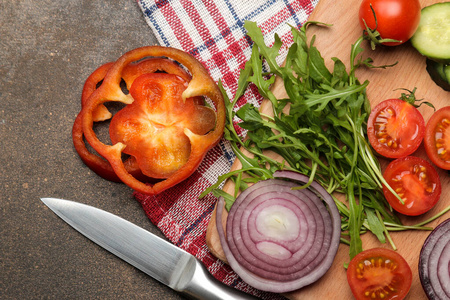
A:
{"x": 156, "y": 257}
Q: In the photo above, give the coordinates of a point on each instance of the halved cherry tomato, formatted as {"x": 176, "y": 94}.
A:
{"x": 379, "y": 274}
{"x": 437, "y": 138}
{"x": 395, "y": 128}
{"x": 395, "y": 19}
{"x": 416, "y": 181}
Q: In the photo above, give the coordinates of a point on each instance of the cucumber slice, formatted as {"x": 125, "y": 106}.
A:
{"x": 437, "y": 72}
{"x": 447, "y": 72}
{"x": 432, "y": 37}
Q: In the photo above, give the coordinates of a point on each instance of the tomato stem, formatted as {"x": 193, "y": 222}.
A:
{"x": 411, "y": 98}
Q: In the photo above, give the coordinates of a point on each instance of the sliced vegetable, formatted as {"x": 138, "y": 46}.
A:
{"x": 437, "y": 138}
{"x": 447, "y": 72}
{"x": 96, "y": 163}
{"x": 432, "y": 37}
{"x": 280, "y": 239}
{"x": 389, "y": 22}
{"x": 153, "y": 126}
{"x": 438, "y": 73}
{"x": 101, "y": 113}
{"x": 434, "y": 262}
{"x": 379, "y": 274}
{"x": 395, "y": 128}
{"x": 416, "y": 182}
{"x": 201, "y": 85}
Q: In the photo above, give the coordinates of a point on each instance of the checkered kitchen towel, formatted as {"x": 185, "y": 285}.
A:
{"x": 213, "y": 32}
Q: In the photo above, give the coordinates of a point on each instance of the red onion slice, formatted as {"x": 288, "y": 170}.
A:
{"x": 444, "y": 269}
{"x": 434, "y": 262}
{"x": 265, "y": 226}
{"x": 279, "y": 239}
{"x": 270, "y": 267}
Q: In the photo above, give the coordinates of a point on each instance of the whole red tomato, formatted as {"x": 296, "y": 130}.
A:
{"x": 396, "y": 19}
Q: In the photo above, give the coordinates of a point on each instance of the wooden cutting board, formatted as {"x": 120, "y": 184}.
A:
{"x": 410, "y": 72}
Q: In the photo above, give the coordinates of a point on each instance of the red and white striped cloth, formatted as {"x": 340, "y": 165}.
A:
{"x": 213, "y": 32}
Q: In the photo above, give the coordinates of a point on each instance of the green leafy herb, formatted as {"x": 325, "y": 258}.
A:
{"x": 411, "y": 99}
{"x": 318, "y": 130}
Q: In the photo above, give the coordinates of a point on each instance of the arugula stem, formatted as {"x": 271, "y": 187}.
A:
{"x": 441, "y": 213}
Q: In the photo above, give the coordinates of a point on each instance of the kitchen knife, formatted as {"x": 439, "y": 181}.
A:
{"x": 154, "y": 256}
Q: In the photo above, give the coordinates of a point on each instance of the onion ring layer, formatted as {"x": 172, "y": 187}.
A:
{"x": 434, "y": 263}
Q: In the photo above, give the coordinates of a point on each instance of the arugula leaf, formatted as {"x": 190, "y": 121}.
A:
{"x": 318, "y": 130}
{"x": 251, "y": 116}
{"x": 269, "y": 53}
{"x": 375, "y": 225}
{"x": 317, "y": 69}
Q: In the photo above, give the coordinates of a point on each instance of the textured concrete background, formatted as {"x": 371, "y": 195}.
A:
{"x": 47, "y": 50}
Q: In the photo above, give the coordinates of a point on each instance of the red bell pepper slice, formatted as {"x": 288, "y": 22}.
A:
{"x": 153, "y": 126}
{"x": 100, "y": 166}
{"x": 194, "y": 137}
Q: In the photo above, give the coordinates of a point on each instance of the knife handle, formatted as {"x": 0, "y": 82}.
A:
{"x": 202, "y": 285}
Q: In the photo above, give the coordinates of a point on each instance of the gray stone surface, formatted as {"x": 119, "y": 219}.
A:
{"x": 47, "y": 50}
